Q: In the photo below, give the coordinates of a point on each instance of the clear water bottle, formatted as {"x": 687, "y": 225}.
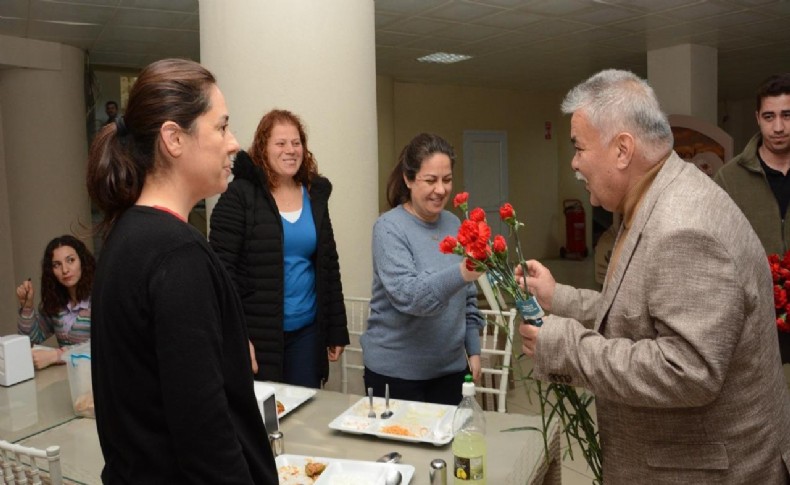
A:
{"x": 469, "y": 445}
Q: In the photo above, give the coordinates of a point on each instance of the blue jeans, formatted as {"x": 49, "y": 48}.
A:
{"x": 300, "y": 358}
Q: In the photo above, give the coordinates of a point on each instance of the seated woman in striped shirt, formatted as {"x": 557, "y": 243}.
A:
{"x": 65, "y": 309}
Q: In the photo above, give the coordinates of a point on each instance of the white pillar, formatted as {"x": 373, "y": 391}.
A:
{"x": 316, "y": 59}
{"x": 43, "y": 159}
{"x": 685, "y": 79}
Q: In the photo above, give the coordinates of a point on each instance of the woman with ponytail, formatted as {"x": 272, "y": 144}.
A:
{"x": 172, "y": 375}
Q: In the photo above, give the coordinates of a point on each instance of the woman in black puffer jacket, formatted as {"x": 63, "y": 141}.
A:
{"x": 272, "y": 230}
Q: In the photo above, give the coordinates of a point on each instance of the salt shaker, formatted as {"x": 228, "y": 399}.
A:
{"x": 276, "y": 442}
{"x": 438, "y": 473}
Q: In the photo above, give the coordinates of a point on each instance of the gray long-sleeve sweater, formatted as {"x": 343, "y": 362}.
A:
{"x": 423, "y": 315}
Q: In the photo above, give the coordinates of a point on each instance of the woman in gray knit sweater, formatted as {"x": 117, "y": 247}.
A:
{"x": 424, "y": 321}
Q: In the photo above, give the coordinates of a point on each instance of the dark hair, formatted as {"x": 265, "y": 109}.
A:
{"x": 309, "y": 167}
{"x": 111, "y": 102}
{"x": 410, "y": 161}
{"x": 775, "y": 85}
{"x": 55, "y": 296}
{"x": 167, "y": 90}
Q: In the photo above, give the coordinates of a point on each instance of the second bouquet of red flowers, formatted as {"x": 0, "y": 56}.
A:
{"x": 484, "y": 253}
{"x": 780, "y": 272}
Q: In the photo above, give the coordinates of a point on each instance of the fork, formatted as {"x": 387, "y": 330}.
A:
{"x": 371, "y": 413}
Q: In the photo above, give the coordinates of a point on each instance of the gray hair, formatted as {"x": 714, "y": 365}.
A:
{"x": 615, "y": 101}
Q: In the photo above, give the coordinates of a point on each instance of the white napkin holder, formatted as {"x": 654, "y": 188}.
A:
{"x": 267, "y": 405}
{"x": 16, "y": 360}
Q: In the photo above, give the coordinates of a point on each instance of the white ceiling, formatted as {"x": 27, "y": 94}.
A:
{"x": 534, "y": 45}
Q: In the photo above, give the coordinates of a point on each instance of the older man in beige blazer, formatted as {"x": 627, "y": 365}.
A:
{"x": 679, "y": 348}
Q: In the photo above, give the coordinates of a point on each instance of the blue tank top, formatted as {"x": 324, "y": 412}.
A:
{"x": 299, "y": 245}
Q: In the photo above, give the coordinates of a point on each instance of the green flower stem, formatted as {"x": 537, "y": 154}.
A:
{"x": 562, "y": 403}
{"x": 557, "y": 401}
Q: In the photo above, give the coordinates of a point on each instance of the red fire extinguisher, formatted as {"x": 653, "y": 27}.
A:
{"x": 575, "y": 230}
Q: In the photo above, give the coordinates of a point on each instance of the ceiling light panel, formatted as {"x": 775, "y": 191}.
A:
{"x": 444, "y": 58}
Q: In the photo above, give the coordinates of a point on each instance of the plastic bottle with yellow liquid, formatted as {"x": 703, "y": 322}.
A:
{"x": 469, "y": 445}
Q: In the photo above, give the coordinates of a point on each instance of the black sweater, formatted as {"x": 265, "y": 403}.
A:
{"x": 172, "y": 377}
{"x": 246, "y": 233}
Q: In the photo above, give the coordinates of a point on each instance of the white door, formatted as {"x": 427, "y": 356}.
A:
{"x": 485, "y": 174}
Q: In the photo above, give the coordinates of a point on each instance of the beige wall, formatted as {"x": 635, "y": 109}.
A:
{"x": 388, "y": 152}
{"x": 740, "y": 123}
{"x": 539, "y": 170}
{"x": 8, "y": 302}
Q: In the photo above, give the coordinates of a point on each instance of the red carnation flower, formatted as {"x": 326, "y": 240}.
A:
{"x": 477, "y": 214}
{"x": 479, "y": 251}
{"x": 484, "y": 230}
{"x": 460, "y": 198}
{"x": 500, "y": 245}
{"x": 468, "y": 232}
{"x": 780, "y": 297}
{"x": 506, "y": 211}
{"x": 448, "y": 244}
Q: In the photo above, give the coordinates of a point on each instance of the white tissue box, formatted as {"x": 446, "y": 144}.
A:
{"x": 16, "y": 360}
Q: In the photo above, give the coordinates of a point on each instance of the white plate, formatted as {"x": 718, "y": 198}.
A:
{"x": 338, "y": 472}
{"x": 290, "y": 396}
{"x": 417, "y": 422}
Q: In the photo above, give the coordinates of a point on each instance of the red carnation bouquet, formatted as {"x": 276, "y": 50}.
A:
{"x": 484, "y": 253}
{"x": 489, "y": 255}
{"x": 780, "y": 271}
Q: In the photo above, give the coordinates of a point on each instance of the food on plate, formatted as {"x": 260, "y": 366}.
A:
{"x": 301, "y": 474}
{"x": 83, "y": 405}
{"x": 314, "y": 469}
{"x": 396, "y": 429}
{"x": 280, "y": 408}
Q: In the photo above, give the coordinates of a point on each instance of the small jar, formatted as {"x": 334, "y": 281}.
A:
{"x": 438, "y": 473}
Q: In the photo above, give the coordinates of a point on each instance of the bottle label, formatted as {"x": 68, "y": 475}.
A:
{"x": 530, "y": 309}
{"x": 468, "y": 469}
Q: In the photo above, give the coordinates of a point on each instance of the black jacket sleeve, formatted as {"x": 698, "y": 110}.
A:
{"x": 228, "y": 227}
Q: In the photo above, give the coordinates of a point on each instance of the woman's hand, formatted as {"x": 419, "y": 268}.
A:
{"x": 43, "y": 358}
{"x": 539, "y": 282}
{"x": 334, "y": 352}
{"x": 25, "y": 293}
{"x": 467, "y": 274}
{"x": 476, "y": 367}
{"x": 253, "y": 359}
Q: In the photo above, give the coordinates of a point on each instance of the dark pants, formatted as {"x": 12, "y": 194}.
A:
{"x": 300, "y": 359}
{"x": 440, "y": 390}
{"x": 784, "y": 346}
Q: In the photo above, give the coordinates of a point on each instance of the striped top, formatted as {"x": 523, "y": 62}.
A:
{"x": 71, "y": 326}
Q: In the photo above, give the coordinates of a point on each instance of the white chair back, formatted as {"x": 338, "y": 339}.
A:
{"x": 493, "y": 295}
{"x": 352, "y": 368}
{"x": 496, "y": 344}
{"x": 19, "y": 465}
